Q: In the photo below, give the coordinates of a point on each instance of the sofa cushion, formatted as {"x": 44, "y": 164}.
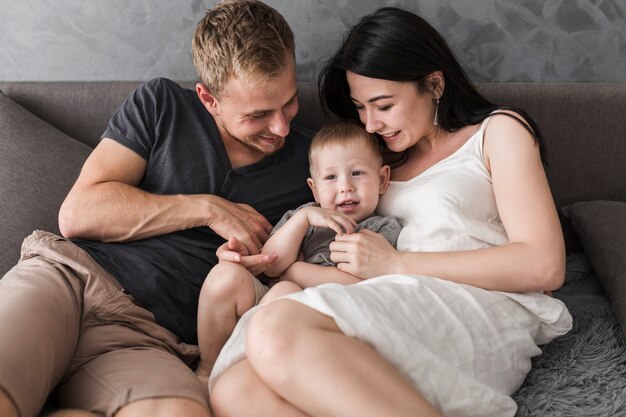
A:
{"x": 38, "y": 165}
{"x": 601, "y": 228}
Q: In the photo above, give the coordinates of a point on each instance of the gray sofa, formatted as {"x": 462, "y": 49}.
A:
{"x": 48, "y": 129}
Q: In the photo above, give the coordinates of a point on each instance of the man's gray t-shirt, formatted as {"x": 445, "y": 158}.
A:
{"x": 316, "y": 241}
{"x": 173, "y": 132}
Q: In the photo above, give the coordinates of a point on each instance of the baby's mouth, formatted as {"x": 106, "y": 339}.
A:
{"x": 348, "y": 204}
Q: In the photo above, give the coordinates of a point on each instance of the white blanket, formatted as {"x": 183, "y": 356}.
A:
{"x": 466, "y": 349}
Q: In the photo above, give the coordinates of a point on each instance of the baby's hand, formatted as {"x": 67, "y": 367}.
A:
{"x": 323, "y": 217}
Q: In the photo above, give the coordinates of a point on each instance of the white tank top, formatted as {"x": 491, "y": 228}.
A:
{"x": 448, "y": 207}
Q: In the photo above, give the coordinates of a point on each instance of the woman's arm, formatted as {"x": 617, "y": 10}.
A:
{"x": 534, "y": 260}
{"x": 105, "y": 204}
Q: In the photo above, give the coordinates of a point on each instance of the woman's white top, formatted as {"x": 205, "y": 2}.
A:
{"x": 448, "y": 207}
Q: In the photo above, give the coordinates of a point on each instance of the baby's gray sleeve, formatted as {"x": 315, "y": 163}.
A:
{"x": 390, "y": 229}
{"x": 288, "y": 215}
{"x": 387, "y": 226}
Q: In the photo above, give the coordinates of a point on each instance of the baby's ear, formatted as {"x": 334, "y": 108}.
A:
{"x": 385, "y": 175}
{"x": 312, "y": 187}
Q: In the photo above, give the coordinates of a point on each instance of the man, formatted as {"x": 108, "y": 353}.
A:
{"x": 109, "y": 318}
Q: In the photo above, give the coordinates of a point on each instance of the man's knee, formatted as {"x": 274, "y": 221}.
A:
{"x": 72, "y": 413}
{"x": 164, "y": 407}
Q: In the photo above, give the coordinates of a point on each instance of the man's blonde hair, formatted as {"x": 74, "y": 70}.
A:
{"x": 343, "y": 132}
{"x": 244, "y": 39}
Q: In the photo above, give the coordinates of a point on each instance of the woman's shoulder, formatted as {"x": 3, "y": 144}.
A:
{"x": 510, "y": 116}
{"x": 508, "y": 134}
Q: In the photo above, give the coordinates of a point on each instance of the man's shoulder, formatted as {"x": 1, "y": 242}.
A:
{"x": 160, "y": 87}
{"x": 165, "y": 98}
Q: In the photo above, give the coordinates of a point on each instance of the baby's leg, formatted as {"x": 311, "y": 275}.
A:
{"x": 227, "y": 293}
{"x": 280, "y": 289}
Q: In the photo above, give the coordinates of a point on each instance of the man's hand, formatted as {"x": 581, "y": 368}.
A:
{"x": 235, "y": 251}
{"x": 240, "y": 221}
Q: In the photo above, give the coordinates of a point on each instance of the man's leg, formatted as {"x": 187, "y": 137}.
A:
{"x": 126, "y": 364}
{"x": 302, "y": 355}
{"x": 227, "y": 293}
{"x": 7, "y": 408}
{"x": 164, "y": 407}
{"x": 71, "y": 413}
{"x": 122, "y": 357}
{"x": 40, "y": 304}
{"x": 160, "y": 407}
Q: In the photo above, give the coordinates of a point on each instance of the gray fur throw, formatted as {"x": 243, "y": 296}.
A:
{"x": 584, "y": 372}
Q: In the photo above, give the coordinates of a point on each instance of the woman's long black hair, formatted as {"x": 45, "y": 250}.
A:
{"x": 397, "y": 45}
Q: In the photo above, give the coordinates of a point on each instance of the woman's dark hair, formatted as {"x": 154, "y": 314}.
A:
{"x": 397, "y": 45}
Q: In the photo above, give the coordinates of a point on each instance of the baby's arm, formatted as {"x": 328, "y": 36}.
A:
{"x": 286, "y": 241}
{"x": 310, "y": 275}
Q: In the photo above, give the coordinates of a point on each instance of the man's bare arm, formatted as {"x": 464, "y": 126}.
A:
{"x": 105, "y": 204}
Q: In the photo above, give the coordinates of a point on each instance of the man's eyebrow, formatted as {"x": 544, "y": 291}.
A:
{"x": 373, "y": 99}
{"x": 261, "y": 111}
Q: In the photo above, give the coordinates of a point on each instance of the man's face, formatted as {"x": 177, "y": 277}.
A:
{"x": 253, "y": 117}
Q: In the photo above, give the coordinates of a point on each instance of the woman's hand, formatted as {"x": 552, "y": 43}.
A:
{"x": 365, "y": 254}
{"x": 235, "y": 251}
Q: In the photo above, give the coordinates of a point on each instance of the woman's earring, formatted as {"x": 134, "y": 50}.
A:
{"x": 436, "y": 120}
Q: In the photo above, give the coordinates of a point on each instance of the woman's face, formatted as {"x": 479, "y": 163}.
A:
{"x": 396, "y": 111}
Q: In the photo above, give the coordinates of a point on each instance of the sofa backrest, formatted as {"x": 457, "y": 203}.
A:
{"x": 583, "y": 124}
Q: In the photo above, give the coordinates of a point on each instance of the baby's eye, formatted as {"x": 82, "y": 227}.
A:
{"x": 357, "y": 173}
{"x": 330, "y": 177}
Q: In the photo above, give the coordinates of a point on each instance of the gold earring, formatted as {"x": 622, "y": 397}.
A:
{"x": 436, "y": 119}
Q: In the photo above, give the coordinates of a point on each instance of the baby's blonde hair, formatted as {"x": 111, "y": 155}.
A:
{"x": 243, "y": 39}
{"x": 342, "y": 132}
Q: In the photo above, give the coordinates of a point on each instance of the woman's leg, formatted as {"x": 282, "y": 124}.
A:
{"x": 302, "y": 355}
{"x": 240, "y": 393}
{"x": 228, "y": 292}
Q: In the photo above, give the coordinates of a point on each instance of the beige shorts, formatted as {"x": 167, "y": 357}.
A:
{"x": 73, "y": 327}
{"x": 260, "y": 290}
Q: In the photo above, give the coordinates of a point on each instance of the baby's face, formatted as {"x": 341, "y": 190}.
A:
{"x": 349, "y": 179}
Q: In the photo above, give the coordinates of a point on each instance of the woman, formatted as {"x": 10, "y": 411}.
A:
{"x": 447, "y": 323}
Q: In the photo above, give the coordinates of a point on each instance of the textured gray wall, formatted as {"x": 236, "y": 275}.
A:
{"x": 496, "y": 40}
